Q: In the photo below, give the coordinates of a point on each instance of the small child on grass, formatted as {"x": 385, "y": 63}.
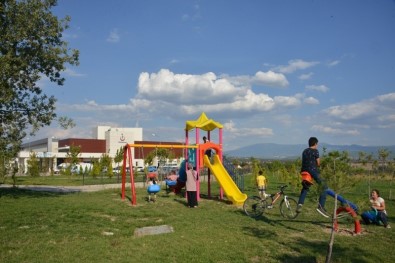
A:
{"x": 261, "y": 183}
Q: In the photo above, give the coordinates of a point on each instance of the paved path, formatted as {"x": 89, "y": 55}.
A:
{"x": 84, "y": 188}
{"x": 70, "y": 189}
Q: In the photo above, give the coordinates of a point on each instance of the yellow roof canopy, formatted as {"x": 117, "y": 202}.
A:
{"x": 203, "y": 123}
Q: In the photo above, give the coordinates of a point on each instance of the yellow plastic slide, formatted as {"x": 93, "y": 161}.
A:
{"x": 231, "y": 190}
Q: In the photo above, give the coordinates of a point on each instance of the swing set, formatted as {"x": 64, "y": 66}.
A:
{"x": 127, "y": 157}
{"x": 195, "y": 154}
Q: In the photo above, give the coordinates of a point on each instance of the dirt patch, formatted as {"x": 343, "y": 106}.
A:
{"x": 346, "y": 231}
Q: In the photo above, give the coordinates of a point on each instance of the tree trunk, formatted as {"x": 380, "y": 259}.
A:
{"x": 369, "y": 185}
{"x": 332, "y": 238}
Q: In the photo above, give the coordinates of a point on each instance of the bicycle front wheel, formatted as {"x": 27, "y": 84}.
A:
{"x": 288, "y": 207}
{"x": 254, "y": 206}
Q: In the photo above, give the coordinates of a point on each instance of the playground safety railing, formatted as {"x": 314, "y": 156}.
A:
{"x": 234, "y": 173}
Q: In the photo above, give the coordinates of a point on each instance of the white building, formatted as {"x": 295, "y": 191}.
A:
{"x": 108, "y": 140}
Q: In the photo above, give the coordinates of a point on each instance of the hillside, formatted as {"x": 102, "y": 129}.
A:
{"x": 287, "y": 151}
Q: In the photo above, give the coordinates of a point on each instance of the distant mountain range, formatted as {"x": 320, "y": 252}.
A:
{"x": 284, "y": 151}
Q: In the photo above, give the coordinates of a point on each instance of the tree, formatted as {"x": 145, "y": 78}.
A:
{"x": 31, "y": 48}
{"x": 72, "y": 157}
{"x": 95, "y": 172}
{"x": 106, "y": 164}
{"x": 33, "y": 167}
{"x": 365, "y": 159}
{"x": 161, "y": 154}
{"x": 383, "y": 155}
{"x": 119, "y": 156}
{"x": 336, "y": 169}
{"x": 291, "y": 173}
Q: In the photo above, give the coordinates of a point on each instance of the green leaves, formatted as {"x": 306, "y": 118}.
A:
{"x": 31, "y": 47}
{"x": 66, "y": 122}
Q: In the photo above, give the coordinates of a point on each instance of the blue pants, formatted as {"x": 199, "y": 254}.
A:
{"x": 374, "y": 217}
{"x": 305, "y": 189}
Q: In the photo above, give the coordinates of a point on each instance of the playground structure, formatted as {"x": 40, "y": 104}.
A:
{"x": 195, "y": 154}
{"x": 346, "y": 207}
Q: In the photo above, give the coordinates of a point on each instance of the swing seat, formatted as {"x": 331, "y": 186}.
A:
{"x": 153, "y": 189}
{"x": 170, "y": 183}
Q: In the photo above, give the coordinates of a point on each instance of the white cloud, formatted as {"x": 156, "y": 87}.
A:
{"x": 192, "y": 94}
{"x": 387, "y": 99}
{"x": 114, "y": 36}
{"x": 375, "y": 111}
{"x": 334, "y": 131}
{"x": 294, "y": 65}
{"x": 73, "y": 73}
{"x": 194, "y": 15}
{"x": 185, "y": 96}
{"x": 387, "y": 118}
{"x": 311, "y": 101}
{"x": 247, "y": 132}
{"x": 186, "y": 88}
{"x": 351, "y": 111}
{"x": 287, "y": 101}
{"x": 270, "y": 78}
{"x": 306, "y": 76}
{"x": 249, "y": 103}
{"x": 174, "y": 61}
{"x": 320, "y": 88}
{"x": 333, "y": 63}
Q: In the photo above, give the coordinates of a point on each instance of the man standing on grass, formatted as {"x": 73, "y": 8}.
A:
{"x": 310, "y": 164}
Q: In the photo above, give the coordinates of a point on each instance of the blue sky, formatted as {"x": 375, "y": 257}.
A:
{"x": 275, "y": 71}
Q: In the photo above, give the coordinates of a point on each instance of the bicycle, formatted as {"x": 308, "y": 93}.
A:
{"x": 255, "y": 206}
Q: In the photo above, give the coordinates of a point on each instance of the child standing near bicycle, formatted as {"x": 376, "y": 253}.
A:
{"x": 261, "y": 183}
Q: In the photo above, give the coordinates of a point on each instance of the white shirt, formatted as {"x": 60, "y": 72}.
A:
{"x": 378, "y": 202}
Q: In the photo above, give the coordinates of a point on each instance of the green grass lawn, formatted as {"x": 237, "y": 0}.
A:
{"x": 99, "y": 227}
{"x": 72, "y": 180}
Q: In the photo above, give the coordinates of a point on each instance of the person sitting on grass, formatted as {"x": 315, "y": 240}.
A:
{"x": 377, "y": 213}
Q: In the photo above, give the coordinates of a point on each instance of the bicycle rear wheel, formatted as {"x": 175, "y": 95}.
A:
{"x": 254, "y": 206}
{"x": 288, "y": 207}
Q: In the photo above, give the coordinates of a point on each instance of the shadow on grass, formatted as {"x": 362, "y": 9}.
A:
{"x": 183, "y": 202}
{"x": 301, "y": 245}
{"x": 126, "y": 197}
{"x": 260, "y": 232}
{"x": 215, "y": 198}
{"x": 14, "y": 192}
{"x": 320, "y": 248}
{"x": 295, "y": 259}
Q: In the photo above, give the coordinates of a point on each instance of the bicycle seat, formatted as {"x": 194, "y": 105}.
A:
{"x": 283, "y": 187}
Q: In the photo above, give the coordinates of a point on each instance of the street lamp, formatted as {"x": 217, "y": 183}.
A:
{"x": 28, "y": 139}
{"x": 156, "y": 149}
